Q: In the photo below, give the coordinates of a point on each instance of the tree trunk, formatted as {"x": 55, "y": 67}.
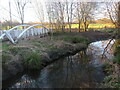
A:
{"x": 70, "y": 27}
{"x": 22, "y": 22}
{"x": 79, "y": 25}
{"x": 85, "y": 28}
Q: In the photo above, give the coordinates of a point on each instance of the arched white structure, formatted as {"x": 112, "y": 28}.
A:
{"x": 30, "y": 28}
{"x": 14, "y": 41}
{"x": 1, "y": 37}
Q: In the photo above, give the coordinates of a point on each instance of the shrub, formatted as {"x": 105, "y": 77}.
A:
{"x": 107, "y": 68}
{"x": 117, "y": 55}
{"x": 32, "y": 61}
{"x": 111, "y": 81}
{"x": 117, "y": 59}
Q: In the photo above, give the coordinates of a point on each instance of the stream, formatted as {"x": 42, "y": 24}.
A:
{"x": 82, "y": 70}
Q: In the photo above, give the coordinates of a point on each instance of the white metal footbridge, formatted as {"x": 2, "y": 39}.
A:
{"x": 14, "y": 34}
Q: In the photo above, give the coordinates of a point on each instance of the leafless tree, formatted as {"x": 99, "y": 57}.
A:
{"x": 39, "y": 10}
{"x": 20, "y": 5}
{"x": 69, "y": 13}
{"x": 50, "y": 14}
{"x": 56, "y": 14}
{"x": 113, "y": 10}
{"x": 87, "y": 10}
{"x": 78, "y": 15}
{"x": 61, "y": 12}
{"x": 10, "y": 14}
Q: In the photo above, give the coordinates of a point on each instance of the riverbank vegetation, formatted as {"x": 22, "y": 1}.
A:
{"x": 30, "y": 50}
{"x": 112, "y": 70}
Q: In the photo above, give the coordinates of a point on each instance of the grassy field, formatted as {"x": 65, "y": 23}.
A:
{"x": 6, "y": 28}
{"x": 76, "y": 26}
{"x": 93, "y": 26}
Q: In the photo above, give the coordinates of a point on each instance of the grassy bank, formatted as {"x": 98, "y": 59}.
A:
{"x": 30, "y": 51}
{"x": 112, "y": 70}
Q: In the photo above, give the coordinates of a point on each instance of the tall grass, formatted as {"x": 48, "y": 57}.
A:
{"x": 32, "y": 61}
{"x": 117, "y": 55}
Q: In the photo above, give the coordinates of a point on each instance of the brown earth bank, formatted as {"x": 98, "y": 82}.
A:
{"x": 48, "y": 49}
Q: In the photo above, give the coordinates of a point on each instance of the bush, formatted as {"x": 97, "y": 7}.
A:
{"x": 111, "y": 81}
{"x": 117, "y": 55}
{"x": 33, "y": 61}
{"x": 117, "y": 59}
{"x": 107, "y": 68}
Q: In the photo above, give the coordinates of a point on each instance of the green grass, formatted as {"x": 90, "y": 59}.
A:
{"x": 67, "y": 37}
{"x": 111, "y": 81}
{"x": 107, "y": 68}
{"x": 5, "y": 46}
{"x": 75, "y": 39}
{"x": 32, "y": 61}
{"x": 5, "y": 57}
{"x": 116, "y": 58}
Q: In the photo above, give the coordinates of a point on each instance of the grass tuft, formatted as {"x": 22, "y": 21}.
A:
{"x": 32, "y": 61}
{"x": 117, "y": 55}
{"x": 6, "y": 57}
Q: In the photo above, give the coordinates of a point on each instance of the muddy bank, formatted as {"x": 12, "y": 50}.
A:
{"x": 48, "y": 50}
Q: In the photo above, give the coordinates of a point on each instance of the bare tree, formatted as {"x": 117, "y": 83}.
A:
{"x": 10, "y": 14}
{"x": 56, "y": 14}
{"x": 61, "y": 12}
{"x": 113, "y": 10}
{"x": 50, "y": 14}
{"x": 39, "y": 10}
{"x": 87, "y": 10}
{"x": 78, "y": 15}
{"x": 20, "y": 5}
{"x": 69, "y": 13}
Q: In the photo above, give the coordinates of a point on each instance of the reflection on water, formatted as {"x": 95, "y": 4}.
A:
{"x": 70, "y": 72}
{"x": 96, "y": 50}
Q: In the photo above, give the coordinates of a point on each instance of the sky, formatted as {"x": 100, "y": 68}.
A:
{"x": 30, "y": 15}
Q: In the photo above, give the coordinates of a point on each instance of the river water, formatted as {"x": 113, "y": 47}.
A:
{"x": 82, "y": 70}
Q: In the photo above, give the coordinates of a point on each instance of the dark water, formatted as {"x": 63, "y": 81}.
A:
{"x": 82, "y": 70}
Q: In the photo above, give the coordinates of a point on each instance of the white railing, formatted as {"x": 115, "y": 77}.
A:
{"x": 2, "y": 33}
{"x": 14, "y": 35}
